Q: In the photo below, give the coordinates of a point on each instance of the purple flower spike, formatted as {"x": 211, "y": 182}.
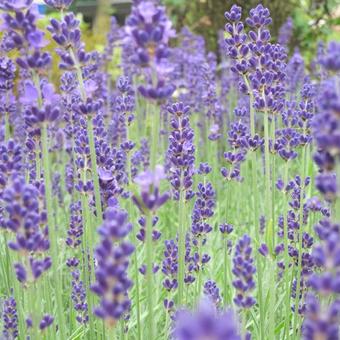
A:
{"x": 22, "y": 203}
{"x": 7, "y": 74}
{"x": 263, "y": 250}
{"x": 226, "y": 228}
{"x": 10, "y": 319}
{"x": 205, "y": 323}
{"x": 148, "y": 31}
{"x": 202, "y": 211}
{"x": 112, "y": 256}
{"x": 212, "y": 292}
{"x": 244, "y": 270}
{"x": 75, "y": 230}
{"x": 150, "y": 198}
{"x": 181, "y": 151}
{"x": 15, "y": 5}
{"x": 59, "y": 4}
{"x": 331, "y": 61}
{"x": 170, "y": 265}
{"x": 321, "y": 322}
{"x": 286, "y": 32}
{"x": 79, "y": 298}
{"x": 156, "y": 234}
{"x": 204, "y": 169}
{"x": 46, "y": 322}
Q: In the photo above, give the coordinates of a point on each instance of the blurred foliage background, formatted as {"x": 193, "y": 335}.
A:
{"x": 314, "y": 20}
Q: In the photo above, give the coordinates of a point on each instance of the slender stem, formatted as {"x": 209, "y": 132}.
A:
{"x": 31, "y": 309}
{"x": 37, "y": 163}
{"x": 90, "y": 135}
{"x": 52, "y": 229}
{"x": 300, "y": 239}
{"x": 94, "y": 172}
{"x": 181, "y": 247}
{"x": 272, "y": 300}
{"x": 336, "y": 214}
{"x": 6, "y": 262}
{"x": 135, "y": 257}
{"x": 255, "y": 206}
{"x": 149, "y": 276}
{"x": 136, "y": 276}
{"x": 95, "y": 178}
{"x": 53, "y": 235}
{"x": 7, "y": 127}
{"x": 269, "y": 231}
{"x": 226, "y": 277}
{"x": 251, "y": 106}
{"x": 273, "y": 177}
{"x": 286, "y": 258}
{"x": 88, "y": 240}
{"x": 200, "y": 264}
{"x": 155, "y": 118}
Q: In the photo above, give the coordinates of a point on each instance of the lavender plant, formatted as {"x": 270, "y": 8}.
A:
{"x": 174, "y": 194}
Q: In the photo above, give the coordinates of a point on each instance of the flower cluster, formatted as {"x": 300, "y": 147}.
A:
{"x": 149, "y": 30}
{"x": 150, "y": 199}
{"x": 326, "y": 129}
{"x": 27, "y": 221}
{"x": 79, "y": 298}
{"x": 75, "y": 230}
{"x": 10, "y": 319}
{"x": 181, "y": 151}
{"x": 203, "y": 210}
{"x": 112, "y": 256}
{"x": 205, "y": 323}
{"x": 244, "y": 270}
{"x": 260, "y": 63}
{"x": 212, "y": 292}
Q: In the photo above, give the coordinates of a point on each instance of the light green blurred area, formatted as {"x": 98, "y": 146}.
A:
{"x": 314, "y": 20}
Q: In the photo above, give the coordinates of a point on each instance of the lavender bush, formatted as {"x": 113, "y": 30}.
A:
{"x": 191, "y": 197}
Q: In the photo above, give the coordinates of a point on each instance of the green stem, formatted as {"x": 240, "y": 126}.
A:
{"x": 300, "y": 239}
{"x": 272, "y": 301}
{"x": 31, "y": 311}
{"x": 53, "y": 235}
{"x": 7, "y": 127}
{"x": 6, "y": 263}
{"x": 149, "y": 276}
{"x": 226, "y": 283}
{"x": 199, "y": 281}
{"x": 94, "y": 172}
{"x": 226, "y": 286}
{"x": 255, "y": 205}
{"x": 136, "y": 276}
{"x": 135, "y": 257}
{"x": 269, "y": 231}
{"x": 273, "y": 177}
{"x": 88, "y": 238}
{"x": 336, "y": 214}
{"x": 155, "y": 118}
{"x": 90, "y": 135}
{"x": 181, "y": 247}
{"x": 286, "y": 258}
{"x": 37, "y": 163}
{"x": 52, "y": 230}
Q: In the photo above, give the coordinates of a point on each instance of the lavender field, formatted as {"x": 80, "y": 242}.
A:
{"x": 154, "y": 190}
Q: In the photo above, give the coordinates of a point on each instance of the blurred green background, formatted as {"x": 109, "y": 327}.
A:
{"x": 314, "y": 20}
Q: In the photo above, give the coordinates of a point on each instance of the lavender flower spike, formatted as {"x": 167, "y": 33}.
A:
{"x": 112, "y": 255}
{"x": 150, "y": 198}
{"x": 244, "y": 271}
{"x": 205, "y": 323}
{"x": 10, "y": 319}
